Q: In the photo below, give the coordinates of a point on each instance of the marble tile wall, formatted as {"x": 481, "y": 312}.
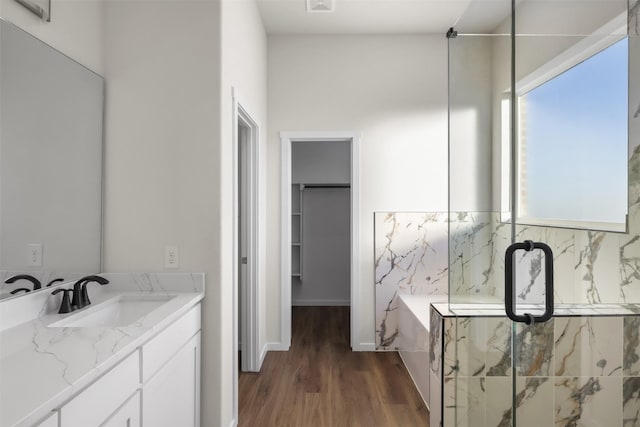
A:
{"x": 412, "y": 252}
{"x": 572, "y": 371}
{"x": 410, "y": 258}
{"x": 593, "y": 267}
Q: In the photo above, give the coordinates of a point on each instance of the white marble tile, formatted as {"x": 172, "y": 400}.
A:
{"x": 631, "y": 351}
{"x": 631, "y": 402}
{"x": 471, "y": 253}
{"x": 597, "y": 266}
{"x": 464, "y": 401}
{"x": 534, "y": 349}
{"x": 435, "y": 399}
{"x": 588, "y": 401}
{"x": 534, "y": 401}
{"x": 498, "y": 402}
{"x": 410, "y": 258}
{"x": 588, "y": 346}
{"x": 498, "y": 355}
{"x": 435, "y": 342}
{"x": 629, "y": 276}
{"x": 449, "y": 361}
{"x": 471, "y": 346}
{"x": 501, "y": 241}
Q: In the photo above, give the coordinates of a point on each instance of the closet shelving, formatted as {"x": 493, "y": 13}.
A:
{"x": 297, "y": 213}
{"x": 296, "y": 230}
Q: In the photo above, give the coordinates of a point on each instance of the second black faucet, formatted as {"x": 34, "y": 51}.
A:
{"x": 80, "y": 294}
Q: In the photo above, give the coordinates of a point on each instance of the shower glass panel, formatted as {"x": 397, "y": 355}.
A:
{"x": 544, "y": 142}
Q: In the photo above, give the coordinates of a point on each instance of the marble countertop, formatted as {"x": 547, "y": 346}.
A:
{"x": 41, "y": 367}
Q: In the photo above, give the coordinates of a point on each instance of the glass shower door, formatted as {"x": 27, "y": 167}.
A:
{"x": 544, "y": 189}
{"x": 571, "y": 187}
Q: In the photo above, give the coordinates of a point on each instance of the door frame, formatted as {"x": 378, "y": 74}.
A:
{"x": 286, "y": 139}
{"x": 251, "y": 328}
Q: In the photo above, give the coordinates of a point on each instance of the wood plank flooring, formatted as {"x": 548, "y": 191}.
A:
{"x": 321, "y": 382}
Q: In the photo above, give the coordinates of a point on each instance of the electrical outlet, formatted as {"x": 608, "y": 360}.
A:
{"x": 171, "y": 257}
{"x": 34, "y": 254}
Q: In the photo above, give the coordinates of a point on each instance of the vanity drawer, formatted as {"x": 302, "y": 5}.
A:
{"x": 163, "y": 346}
{"x": 102, "y": 398}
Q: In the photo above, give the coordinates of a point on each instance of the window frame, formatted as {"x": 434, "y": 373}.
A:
{"x": 589, "y": 46}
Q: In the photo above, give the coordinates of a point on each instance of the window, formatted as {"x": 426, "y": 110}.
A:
{"x": 572, "y": 144}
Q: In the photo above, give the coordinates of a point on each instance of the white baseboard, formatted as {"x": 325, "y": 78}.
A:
{"x": 364, "y": 346}
{"x": 322, "y": 302}
{"x": 271, "y": 346}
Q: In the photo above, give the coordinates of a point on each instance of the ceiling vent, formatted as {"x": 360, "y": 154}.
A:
{"x": 314, "y": 6}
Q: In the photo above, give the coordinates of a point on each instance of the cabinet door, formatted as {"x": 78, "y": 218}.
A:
{"x": 172, "y": 396}
{"x": 51, "y": 421}
{"x": 128, "y": 415}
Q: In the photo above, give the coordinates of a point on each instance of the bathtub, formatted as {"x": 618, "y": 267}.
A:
{"x": 414, "y": 332}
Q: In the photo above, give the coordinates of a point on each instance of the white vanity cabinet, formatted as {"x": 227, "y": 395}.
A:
{"x": 172, "y": 396}
{"x": 171, "y": 375}
{"x": 156, "y": 385}
{"x": 96, "y": 404}
{"x": 50, "y": 421}
{"x": 128, "y": 415}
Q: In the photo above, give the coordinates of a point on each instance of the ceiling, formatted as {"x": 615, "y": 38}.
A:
{"x": 384, "y": 16}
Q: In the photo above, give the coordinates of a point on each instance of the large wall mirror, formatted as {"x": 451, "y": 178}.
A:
{"x": 51, "y": 112}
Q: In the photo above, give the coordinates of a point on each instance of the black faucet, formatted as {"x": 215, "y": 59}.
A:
{"x": 36, "y": 283}
{"x": 60, "y": 279}
{"x": 80, "y": 294}
{"x": 15, "y": 291}
{"x": 65, "y": 306}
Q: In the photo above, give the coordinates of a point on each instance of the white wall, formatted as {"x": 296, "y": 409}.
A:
{"x": 162, "y": 157}
{"x": 470, "y": 122}
{"x": 392, "y": 89}
{"x": 244, "y": 68}
{"x": 76, "y": 28}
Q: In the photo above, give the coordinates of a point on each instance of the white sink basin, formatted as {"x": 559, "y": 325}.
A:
{"x": 120, "y": 311}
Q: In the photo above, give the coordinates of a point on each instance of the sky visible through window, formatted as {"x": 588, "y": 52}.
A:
{"x": 576, "y": 141}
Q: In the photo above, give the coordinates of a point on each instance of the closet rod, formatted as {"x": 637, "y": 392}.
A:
{"x": 327, "y": 185}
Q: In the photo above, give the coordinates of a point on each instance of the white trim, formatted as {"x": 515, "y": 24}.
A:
{"x": 615, "y": 30}
{"x": 275, "y": 346}
{"x": 322, "y": 302}
{"x": 271, "y": 346}
{"x": 251, "y": 335}
{"x": 286, "y": 138}
{"x": 233, "y": 423}
{"x": 602, "y": 38}
{"x": 364, "y": 346}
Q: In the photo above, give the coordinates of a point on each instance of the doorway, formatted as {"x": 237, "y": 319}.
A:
{"x": 298, "y": 229}
{"x": 245, "y": 231}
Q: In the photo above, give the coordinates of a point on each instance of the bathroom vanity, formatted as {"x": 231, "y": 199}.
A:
{"x": 131, "y": 358}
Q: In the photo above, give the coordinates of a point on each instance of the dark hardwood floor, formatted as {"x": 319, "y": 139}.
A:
{"x": 321, "y": 382}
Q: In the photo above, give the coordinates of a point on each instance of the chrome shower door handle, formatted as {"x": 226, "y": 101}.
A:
{"x": 509, "y": 298}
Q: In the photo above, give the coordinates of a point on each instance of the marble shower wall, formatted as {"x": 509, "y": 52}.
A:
{"x": 412, "y": 252}
{"x": 572, "y": 371}
{"x": 410, "y": 258}
{"x": 594, "y": 267}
